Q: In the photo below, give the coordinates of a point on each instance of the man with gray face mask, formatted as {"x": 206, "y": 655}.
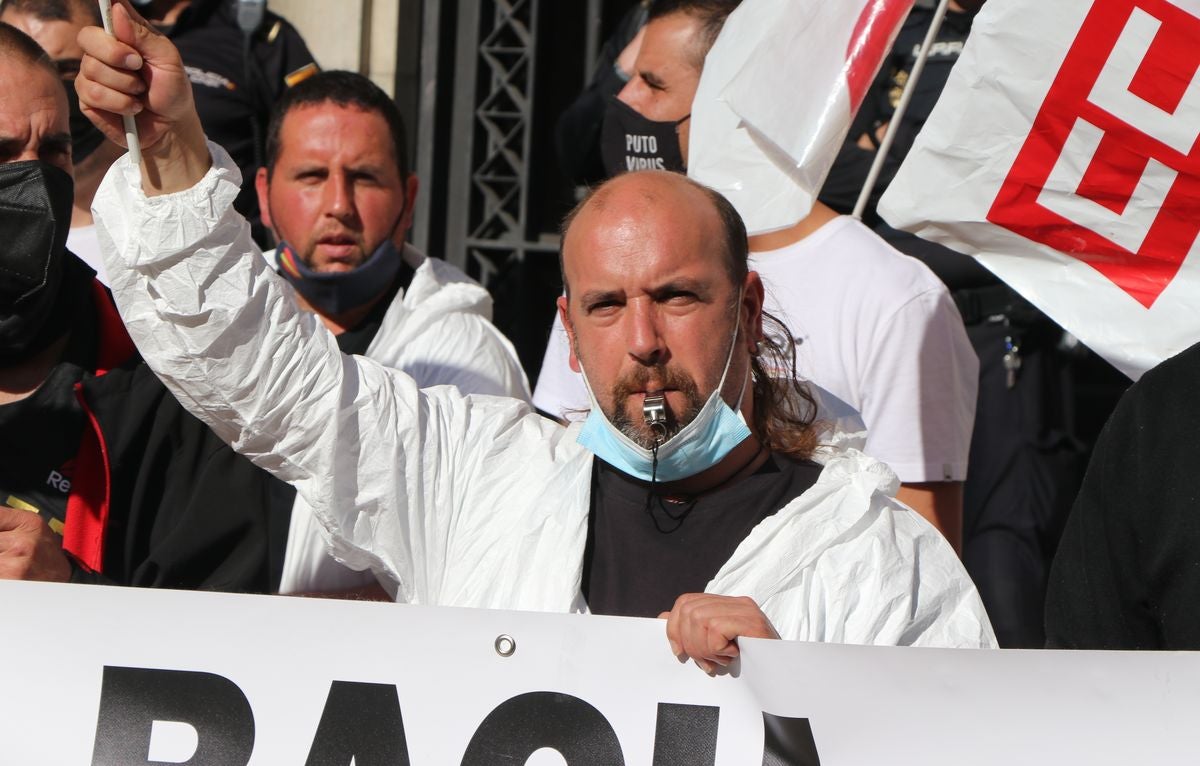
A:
{"x": 54, "y": 25}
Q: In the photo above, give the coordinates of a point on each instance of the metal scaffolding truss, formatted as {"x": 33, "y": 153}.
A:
{"x": 489, "y": 184}
{"x": 504, "y": 116}
{"x": 487, "y": 221}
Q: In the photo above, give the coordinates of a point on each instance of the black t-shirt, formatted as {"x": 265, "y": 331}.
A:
{"x": 1127, "y": 571}
{"x": 358, "y": 339}
{"x": 41, "y": 433}
{"x": 644, "y": 551}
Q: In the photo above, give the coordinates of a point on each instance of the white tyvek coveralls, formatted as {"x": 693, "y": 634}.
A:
{"x": 475, "y": 501}
{"x": 437, "y": 330}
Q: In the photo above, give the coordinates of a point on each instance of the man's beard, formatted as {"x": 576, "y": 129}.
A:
{"x": 306, "y": 251}
{"x": 636, "y": 382}
{"x": 309, "y": 254}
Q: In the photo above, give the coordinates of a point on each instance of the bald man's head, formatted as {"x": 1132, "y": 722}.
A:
{"x": 34, "y": 115}
{"x": 670, "y": 200}
{"x": 55, "y": 26}
{"x": 16, "y": 47}
{"x": 88, "y": 11}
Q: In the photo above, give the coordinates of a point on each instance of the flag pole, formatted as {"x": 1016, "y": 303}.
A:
{"x": 132, "y": 143}
{"x": 905, "y": 97}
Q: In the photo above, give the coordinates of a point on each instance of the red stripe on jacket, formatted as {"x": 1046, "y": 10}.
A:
{"x": 91, "y": 490}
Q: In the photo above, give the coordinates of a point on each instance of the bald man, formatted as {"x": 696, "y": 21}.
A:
{"x": 695, "y": 490}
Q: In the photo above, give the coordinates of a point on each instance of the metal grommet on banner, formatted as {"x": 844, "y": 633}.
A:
{"x": 506, "y": 645}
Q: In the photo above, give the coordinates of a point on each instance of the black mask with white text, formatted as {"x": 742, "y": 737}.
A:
{"x": 629, "y": 141}
{"x": 35, "y": 216}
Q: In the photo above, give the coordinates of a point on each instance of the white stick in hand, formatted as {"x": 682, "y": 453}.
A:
{"x": 131, "y": 134}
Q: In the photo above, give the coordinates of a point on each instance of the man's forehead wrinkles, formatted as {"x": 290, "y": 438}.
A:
{"x": 602, "y": 233}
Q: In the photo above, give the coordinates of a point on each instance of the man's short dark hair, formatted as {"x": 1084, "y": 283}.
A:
{"x": 345, "y": 89}
{"x": 15, "y": 44}
{"x": 710, "y": 13}
{"x": 55, "y": 10}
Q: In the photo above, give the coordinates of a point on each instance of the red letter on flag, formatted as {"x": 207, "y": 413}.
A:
{"x": 1110, "y": 171}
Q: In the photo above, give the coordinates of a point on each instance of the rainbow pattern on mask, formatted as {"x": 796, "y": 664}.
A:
{"x": 287, "y": 260}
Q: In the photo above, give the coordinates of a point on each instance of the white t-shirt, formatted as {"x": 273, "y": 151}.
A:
{"x": 875, "y": 329}
{"x": 83, "y": 242}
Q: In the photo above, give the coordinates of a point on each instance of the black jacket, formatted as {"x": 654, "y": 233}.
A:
{"x": 1127, "y": 573}
{"x": 166, "y": 502}
{"x": 235, "y": 94}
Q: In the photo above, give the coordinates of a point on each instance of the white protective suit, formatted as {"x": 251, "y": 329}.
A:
{"x": 439, "y": 331}
{"x": 474, "y": 500}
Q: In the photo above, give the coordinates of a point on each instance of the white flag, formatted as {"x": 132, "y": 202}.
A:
{"x": 777, "y": 95}
{"x": 1063, "y": 155}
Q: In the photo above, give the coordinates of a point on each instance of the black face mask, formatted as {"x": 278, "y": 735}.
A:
{"x": 35, "y": 217}
{"x": 335, "y": 293}
{"x": 85, "y": 137}
{"x": 629, "y": 141}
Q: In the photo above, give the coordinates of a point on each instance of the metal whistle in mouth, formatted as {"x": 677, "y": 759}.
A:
{"x": 654, "y": 410}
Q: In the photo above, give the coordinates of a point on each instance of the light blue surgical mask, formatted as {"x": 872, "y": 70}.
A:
{"x": 698, "y": 446}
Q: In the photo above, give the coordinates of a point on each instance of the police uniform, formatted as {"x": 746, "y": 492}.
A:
{"x": 234, "y": 96}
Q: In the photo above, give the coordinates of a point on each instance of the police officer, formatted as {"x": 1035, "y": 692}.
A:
{"x": 240, "y": 59}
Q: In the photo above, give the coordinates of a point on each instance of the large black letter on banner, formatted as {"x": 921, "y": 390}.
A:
{"x": 788, "y": 742}
{"x": 686, "y": 734}
{"x": 521, "y": 726}
{"x": 132, "y": 699}
{"x": 361, "y": 721}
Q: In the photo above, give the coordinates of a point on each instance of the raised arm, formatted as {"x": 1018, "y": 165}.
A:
{"x": 225, "y": 335}
{"x": 138, "y": 72}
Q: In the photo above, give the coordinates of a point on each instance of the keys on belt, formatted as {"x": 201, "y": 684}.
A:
{"x": 1011, "y": 361}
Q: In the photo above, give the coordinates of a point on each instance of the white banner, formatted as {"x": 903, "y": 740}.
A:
{"x": 1063, "y": 154}
{"x": 776, "y": 97}
{"x": 127, "y": 677}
